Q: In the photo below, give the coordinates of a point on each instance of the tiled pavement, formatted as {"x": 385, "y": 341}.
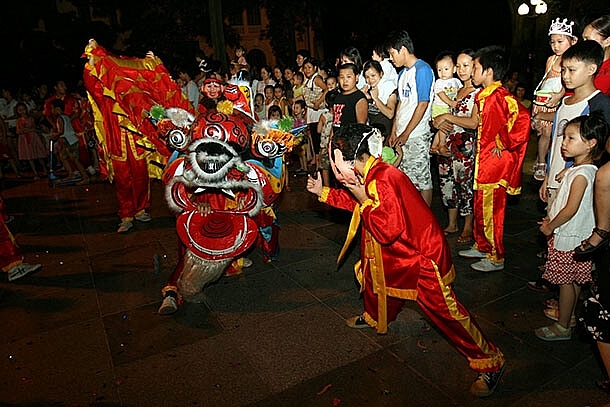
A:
{"x": 84, "y": 330}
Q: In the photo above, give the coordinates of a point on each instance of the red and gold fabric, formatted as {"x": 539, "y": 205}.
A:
{"x": 504, "y": 125}
{"x": 121, "y": 91}
{"x": 404, "y": 255}
{"x": 10, "y": 253}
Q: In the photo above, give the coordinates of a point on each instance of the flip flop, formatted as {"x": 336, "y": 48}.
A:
{"x": 465, "y": 238}
{"x": 546, "y": 333}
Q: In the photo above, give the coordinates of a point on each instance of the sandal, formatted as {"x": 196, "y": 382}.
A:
{"x": 553, "y": 332}
{"x": 588, "y": 248}
{"x": 551, "y": 303}
{"x": 465, "y": 238}
{"x": 539, "y": 171}
{"x": 553, "y": 313}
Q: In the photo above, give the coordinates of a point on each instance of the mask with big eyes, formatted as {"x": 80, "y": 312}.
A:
{"x": 343, "y": 170}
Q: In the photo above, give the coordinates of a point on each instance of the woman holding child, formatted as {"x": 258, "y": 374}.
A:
{"x": 456, "y": 171}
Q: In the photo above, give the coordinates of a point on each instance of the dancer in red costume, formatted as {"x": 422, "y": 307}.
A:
{"x": 122, "y": 90}
{"x": 11, "y": 256}
{"x": 503, "y": 133}
{"x": 404, "y": 254}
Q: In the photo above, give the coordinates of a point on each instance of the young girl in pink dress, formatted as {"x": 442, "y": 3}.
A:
{"x": 30, "y": 145}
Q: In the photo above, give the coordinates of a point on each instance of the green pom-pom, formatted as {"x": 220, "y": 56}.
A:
{"x": 285, "y": 123}
{"x": 157, "y": 112}
{"x": 388, "y": 155}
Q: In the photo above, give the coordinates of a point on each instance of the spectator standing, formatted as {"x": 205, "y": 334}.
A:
{"x": 456, "y": 171}
{"x": 570, "y": 220}
{"x": 501, "y": 145}
{"x": 314, "y": 94}
{"x": 550, "y": 90}
{"x": 580, "y": 63}
{"x": 190, "y": 88}
{"x": 350, "y": 106}
{"x": 411, "y": 128}
{"x": 381, "y": 96}
{"x": 380, "y": 54}
{"x": 30, "y": 145}
{"x": 599, "y": 30}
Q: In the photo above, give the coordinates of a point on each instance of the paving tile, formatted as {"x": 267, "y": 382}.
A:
{"x": 69, "y": 365}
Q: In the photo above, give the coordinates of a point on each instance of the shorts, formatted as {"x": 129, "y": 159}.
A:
{"x": 324, "y": 160}
{"x": 416, "y": 162}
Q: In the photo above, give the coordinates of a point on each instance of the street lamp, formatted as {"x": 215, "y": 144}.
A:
{"x": 540, "y": 7}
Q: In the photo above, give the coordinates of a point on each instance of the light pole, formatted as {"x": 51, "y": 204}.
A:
{"x": 529, "y": 34}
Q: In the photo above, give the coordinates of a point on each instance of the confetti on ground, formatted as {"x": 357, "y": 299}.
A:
{"x": 328, "y": 386}
{"x": 422, "y": 346}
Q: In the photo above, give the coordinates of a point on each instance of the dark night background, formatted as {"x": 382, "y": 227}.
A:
{"x": 166, "y": 27}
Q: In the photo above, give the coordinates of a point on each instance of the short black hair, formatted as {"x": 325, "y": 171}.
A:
{"x": 398, "y": 39}
{"x": 353, "y": 67}
{"x": 588, "y": 51}
{"x": 350, "y": 140}
{"x": 494, "y": 57}
{"x": 593, "y": 126}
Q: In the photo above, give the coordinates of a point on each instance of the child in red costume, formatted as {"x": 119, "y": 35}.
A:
{"x": 404, "y": 253}
{"x": 11, "y": 256}
{"x": 503, "y": 133}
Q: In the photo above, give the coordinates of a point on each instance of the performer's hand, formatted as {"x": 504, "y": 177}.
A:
{"x": 357, "y": 190}
{"x": 314, "y": 185}
{"x": 497, "y": 152}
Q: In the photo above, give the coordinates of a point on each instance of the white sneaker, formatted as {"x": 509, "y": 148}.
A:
{"x": 486, "y": 265}
{"x": 472, "y": 253}
{"x": 247, "y": 262}
{"x": 144, "y": 217}
{"x": 21, "y": 270}
{"x": 168, "y": 306}
{"x": 125, "y": 226}
{"x": 91, "y": 170}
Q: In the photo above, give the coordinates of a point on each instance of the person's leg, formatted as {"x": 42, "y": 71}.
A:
{"x": 438, "y": 302}
{"x": 497, "y": 228}
{"x": 448, "y": 192}
{"x": 544, "y": 141}
{"x": 33, "y": 168}
{"x": 379, "y": 308}
{"x": 452, "y": 222}
{"x": 604, "y": 353}
{"x": 568, "y": 295}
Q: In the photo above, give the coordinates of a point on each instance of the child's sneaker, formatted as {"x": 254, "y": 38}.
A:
{"x": 21, "y": 270}
{"x": 125, "y": 227}
{"x": 485, "y": 383}
{"x": 144, "y": 217}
